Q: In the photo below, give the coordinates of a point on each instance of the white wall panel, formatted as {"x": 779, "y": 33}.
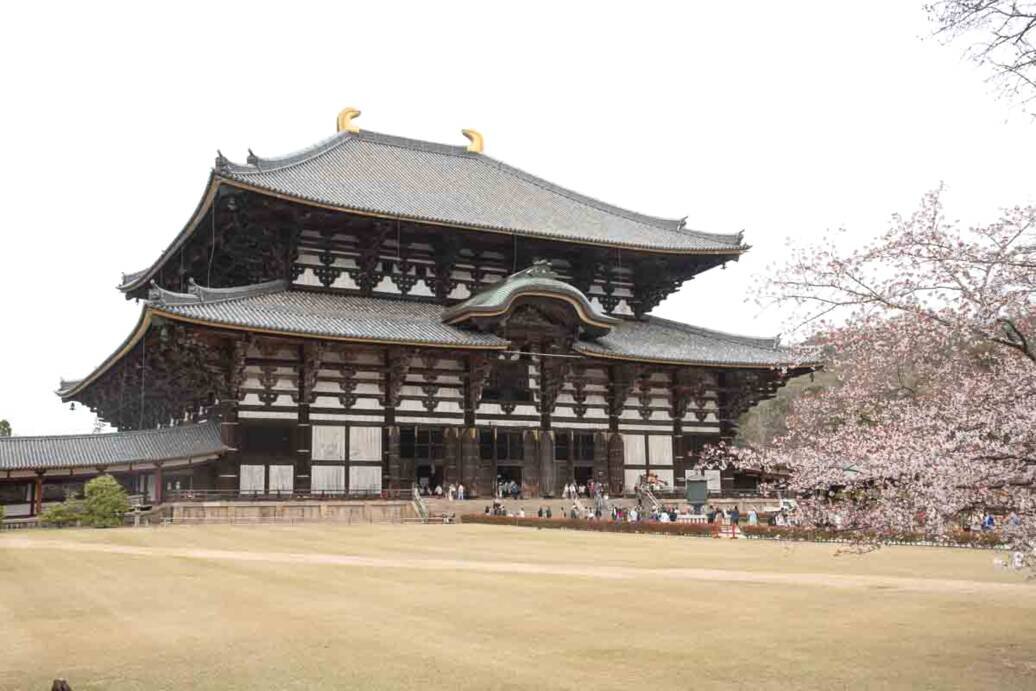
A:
{"x": 282, "y": 478}
{"x": 364, "y": 444}
{"x": 364, "y": 478}
{"x": 328, "y": 443}
{"x": 253, "y": 478}
{"x": 633, "y": 451}
{"x": 660, "y": 449}
{"x": 327, "y": 478}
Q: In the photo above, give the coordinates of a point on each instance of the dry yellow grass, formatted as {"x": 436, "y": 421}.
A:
{"x": 478, "y": 607}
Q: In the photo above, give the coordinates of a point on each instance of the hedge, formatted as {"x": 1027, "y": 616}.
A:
{"x": 602, "y": 525}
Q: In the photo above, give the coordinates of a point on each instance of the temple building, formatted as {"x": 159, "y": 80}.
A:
{"x": 376, "y": 312}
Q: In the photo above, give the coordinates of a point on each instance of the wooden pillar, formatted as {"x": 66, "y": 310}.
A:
{"x": 397, "y": 481}
{"x": 486, "y": 470}
{"x": 616, "y": 458}
{"x": 158, "y": 483}
{"x": 548, "y": 468}
{"x": 469, "y": 463}
{"x": 37, "y": 495}
{"x": 531, "y": 463}
{"x": 601, "y": 459}
{"x": 454, "y": 455}
{"x": 227, "y": 468}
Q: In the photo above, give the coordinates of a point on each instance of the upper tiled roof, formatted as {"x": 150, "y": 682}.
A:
{"x": 425, "y": 181}
{"x": 272, "y": 307}
{"x": 116, "y": 448}
{"x": 661, "y": 340}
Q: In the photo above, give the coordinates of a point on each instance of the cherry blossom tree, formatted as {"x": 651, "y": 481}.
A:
{"x": 1002, "y": 35}
{"x": 928, "y": 336}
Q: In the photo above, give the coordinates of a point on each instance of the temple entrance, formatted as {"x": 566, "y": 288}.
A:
{"x": 582, "y": 474}
{"x": 508, "y": 480}
{"x": 429, "y": 477}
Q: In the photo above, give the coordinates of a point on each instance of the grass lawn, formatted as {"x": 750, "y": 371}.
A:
{"x": 485, "y": 607}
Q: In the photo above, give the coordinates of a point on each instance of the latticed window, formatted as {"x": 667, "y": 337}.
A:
{"x": 421, "y": 443}
{"x": 574, "y": 446}
{"x": 501, "y": 446}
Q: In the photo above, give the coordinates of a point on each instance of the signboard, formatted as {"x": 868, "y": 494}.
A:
{"x": 712, "y": 477}
{"x": 697, "y": 492}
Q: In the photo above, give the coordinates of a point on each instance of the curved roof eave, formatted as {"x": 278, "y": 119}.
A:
{"x": 75, "y": 387}
{"x": 582, "y": 306}
{"x": 139, "y": 279}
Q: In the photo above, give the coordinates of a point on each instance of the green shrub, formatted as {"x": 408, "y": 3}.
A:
{"x": 106, "y": 502}
{"x": 68, "y": 512}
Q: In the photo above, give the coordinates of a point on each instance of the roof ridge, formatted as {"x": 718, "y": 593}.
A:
{"x": 203, "y": 295}
{"x": 331, "y": 143}
{"x": 294, "y": 158}
{"x": 103, "y": 435}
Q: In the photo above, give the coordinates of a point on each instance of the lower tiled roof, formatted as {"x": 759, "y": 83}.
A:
{"x": 329, "y": 315}
{"x": 115, "y": 448}
{"x": 661, "y": 340}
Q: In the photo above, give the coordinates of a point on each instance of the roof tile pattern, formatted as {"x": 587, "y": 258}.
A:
{"x": 424, "y": 181}
{"x": 382, "y": 320}
{"x": 661, "y": 340}
{"x": 333, "y": 316}
{"x": 116, "y": 448}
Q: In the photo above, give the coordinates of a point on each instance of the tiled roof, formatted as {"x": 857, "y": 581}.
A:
{"x": 538, "y": 279}
{"x": 661, "y": 340}
{"x": 116, "y": 448}
{"x": 272, "y": 307}
{"x": 425, "y": 181}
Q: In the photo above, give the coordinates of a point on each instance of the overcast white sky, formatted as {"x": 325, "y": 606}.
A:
{"x": 783, "y": 119}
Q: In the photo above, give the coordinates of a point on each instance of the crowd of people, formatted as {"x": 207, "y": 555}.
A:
{"x": 591, "y": 488}
{"x": 452, "y": 492}
{"x": 601, "y": 509}
{"x": 508, "y": 488}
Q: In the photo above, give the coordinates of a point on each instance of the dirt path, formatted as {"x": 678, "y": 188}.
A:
{"x": 927, "y": 585}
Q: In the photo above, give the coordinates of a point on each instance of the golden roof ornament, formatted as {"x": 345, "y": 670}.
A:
{"x": 345, "y": 120}
{"x": 475, "y": 139}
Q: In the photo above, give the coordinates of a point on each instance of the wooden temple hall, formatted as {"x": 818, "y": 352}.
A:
{"x": 375, "y": 312}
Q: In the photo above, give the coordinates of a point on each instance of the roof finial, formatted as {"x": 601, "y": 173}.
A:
{"x": 345, "y": 120}
{"x": 475, "y": 138}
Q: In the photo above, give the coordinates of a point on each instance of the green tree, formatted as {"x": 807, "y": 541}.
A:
{"x": 106, "y": 502}
{"x": 5, "y": 428}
